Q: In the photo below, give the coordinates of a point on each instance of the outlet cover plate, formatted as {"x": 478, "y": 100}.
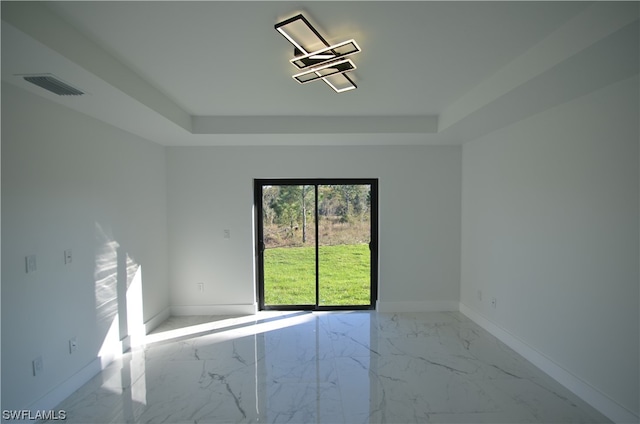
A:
{"x": 30, "y": 262}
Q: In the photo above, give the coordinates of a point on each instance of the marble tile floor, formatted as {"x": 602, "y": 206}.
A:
{"x": 333, "y": 367}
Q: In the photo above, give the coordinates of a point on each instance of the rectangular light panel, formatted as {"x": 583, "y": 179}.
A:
{"x": 301, "y": 34}
{"x": 340, "y": 83}
{"x": 346, "y": 48}
{"x": 336, "y": 67}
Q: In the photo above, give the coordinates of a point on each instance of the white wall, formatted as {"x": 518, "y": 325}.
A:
{"x": 211, "y": 189}
{"x": 72, "y": 182}
{"x": 550, "y": 223}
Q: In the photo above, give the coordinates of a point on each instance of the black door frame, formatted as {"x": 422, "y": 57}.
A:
{"x": 259, "y": 247}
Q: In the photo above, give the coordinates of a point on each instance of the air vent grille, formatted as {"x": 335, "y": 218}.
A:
{"x": 51, "y": 83}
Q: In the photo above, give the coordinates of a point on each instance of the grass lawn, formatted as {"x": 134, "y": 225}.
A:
{"x": 289, "y": 275}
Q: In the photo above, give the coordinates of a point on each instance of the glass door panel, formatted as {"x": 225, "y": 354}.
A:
{"x": 289, "y": 239}
{"x": 344, "y": 236}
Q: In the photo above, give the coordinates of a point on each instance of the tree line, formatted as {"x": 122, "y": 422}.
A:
{"x": 292, "y": 207}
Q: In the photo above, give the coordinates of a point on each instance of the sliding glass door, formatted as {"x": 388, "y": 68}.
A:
{"x": 316, "y": 243}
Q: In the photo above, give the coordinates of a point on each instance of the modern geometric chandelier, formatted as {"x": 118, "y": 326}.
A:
{"x": 316, "y": 58}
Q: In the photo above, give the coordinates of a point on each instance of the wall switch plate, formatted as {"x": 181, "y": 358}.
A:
{"x": 38, "y": 366}
{"x": 201, "y": 287}
{"x": 68, "y": 256}
{"x": 226, "y": 234}
{"x": 30, "y": 262}
{"x": 494, "y": 302}
{"x": 73, "y": 344}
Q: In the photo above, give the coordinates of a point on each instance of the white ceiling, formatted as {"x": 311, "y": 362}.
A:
{"x": 217, "y": 73}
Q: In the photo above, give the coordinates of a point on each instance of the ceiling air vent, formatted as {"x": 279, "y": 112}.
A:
{"x": 53, "y": 84}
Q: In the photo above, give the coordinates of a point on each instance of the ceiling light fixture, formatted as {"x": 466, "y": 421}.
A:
{"x": 317, "y": 57}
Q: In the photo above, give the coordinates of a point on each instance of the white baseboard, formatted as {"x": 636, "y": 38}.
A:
{"x": 594, "y": 397}
{"x": 61, "y": 392}
{"x": 240, "y": 309}
{"x": 412, "y": 306}
{"x": 158, "y": 319}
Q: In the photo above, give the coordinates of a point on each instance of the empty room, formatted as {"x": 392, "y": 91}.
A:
{"x": 320, "y": 212}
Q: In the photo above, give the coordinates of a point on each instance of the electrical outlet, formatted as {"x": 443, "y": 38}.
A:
{"x": 494, "y": 302}
{"x": 201, "y": 287}
{"x": 38, "y": 366}
{"x": 30, "y": 262}
{"x": 68, "y": 256}
{"x": 73, "y": 344}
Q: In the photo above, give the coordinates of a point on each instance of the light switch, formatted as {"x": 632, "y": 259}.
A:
{"x": 68, "y": 256}
{"x": 73, "y": 344}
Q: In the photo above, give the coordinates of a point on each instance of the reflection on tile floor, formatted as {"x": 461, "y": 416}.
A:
{"x": 339, "y": 367}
